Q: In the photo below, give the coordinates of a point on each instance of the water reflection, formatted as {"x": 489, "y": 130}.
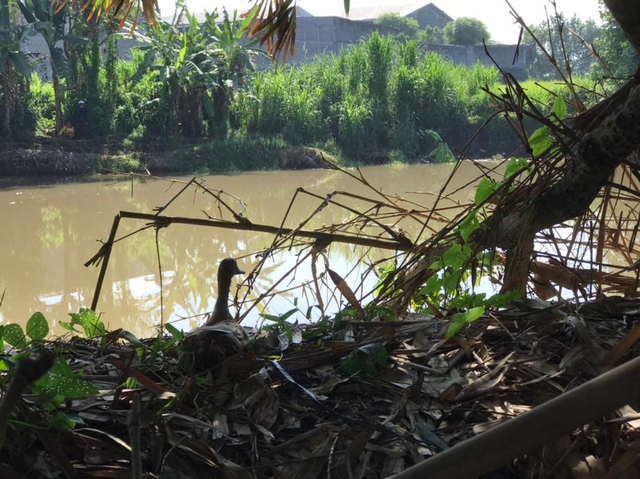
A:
{"x": 51, "y": 230}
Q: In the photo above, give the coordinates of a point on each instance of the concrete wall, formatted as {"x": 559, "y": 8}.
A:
{"x": 502, "y": 54}
{"x": 318, "y": 36}
{"x": 37, "y": 49}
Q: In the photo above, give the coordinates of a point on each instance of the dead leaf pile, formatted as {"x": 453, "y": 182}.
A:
{"x": 366, "y": 400}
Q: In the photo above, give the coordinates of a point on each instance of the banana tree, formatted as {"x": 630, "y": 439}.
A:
{"x": 49, "y": 19}
{"x": 187, "y": 66}
{"x": 15, "y": 67}
{"x": 236, "y": 52}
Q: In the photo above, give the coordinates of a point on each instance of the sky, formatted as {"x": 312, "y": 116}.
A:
{"x": 494, "y": 13}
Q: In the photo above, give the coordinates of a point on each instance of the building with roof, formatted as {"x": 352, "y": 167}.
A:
{"x": 427, "y": 14}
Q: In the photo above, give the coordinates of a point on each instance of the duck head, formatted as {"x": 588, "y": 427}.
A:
{"x": 228, "y": 268}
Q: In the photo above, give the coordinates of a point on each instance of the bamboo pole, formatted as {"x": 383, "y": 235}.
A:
{"x": 248, "y": 226}
{"x": 530, "y": 431}
{"x": 106, "y": 254}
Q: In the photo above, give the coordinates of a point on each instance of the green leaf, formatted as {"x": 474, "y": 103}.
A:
{"x": 469, "y": 225}
{"x": 249, "y": 16}
{"x": 26, "y": 12}
{"x": 365, "y": 360}
{"x": 175, "y": 332}
{"x": 469, "y": 316}
{"x": 181, "y": 54}
{"x": 453, "y": 329}
{"x": 62, "y": 423}
{"x": 514, "y": 165}
{"x": 88, "y": 319}
{"x": 540, "y": 141}
{"x": 559, "y": 108}
{"x": 60, "y": 380}
{"x": 74, "y": 39}
{"x": 271, "y": 317}
{"x": 21, "y": 62}
{"x": 504, "y": 300}
{"x": 377, "y": 352}
{"x": 485, "y": 189}
{"x": 434, "y": 134}
{"x": 434, "y": 285}
{"x": 347, "y": 5}
{"x": 37, "y": 326}
{"x": 14, "y": 335}
{"x": 467, "y": 300}
{"x": 455, "y": 256}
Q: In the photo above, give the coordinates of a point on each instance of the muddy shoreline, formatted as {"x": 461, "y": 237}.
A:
{"x": 73, "y": 157}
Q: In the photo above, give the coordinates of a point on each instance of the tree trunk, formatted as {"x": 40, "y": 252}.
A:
{"x": 57, "y": 93}
{"x": 596, "y": 155}
{"x": 10, "y": 96}
{"x": 627, "y": 14}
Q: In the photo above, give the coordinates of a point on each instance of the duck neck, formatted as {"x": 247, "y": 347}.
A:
{"x": 224, "y": 285}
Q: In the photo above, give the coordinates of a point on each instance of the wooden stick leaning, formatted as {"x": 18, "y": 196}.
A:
{"x": 553, "y": 419}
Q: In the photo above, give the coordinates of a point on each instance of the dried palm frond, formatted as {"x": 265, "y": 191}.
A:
{"x": 274, "y": 21}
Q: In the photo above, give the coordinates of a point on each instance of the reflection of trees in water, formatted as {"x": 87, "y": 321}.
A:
{"x": 52, "y": 233}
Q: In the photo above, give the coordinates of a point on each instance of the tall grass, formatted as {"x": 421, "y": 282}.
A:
{"x": 380, "y": 95}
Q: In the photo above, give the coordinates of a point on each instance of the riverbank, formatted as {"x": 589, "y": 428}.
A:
{"x": 44, "y": 156}
{"x": 64, "y": 156}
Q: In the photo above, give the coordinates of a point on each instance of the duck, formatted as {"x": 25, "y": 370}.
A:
{"x": 209, "y": 345}
{"x": 227, "y": 269}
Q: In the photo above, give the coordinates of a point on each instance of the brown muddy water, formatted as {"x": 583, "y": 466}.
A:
{"x": 51, "y": 230}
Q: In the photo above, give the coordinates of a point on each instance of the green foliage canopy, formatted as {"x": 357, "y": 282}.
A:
{"x": 465, "y": 31}
{"x": 577, "y": 54}
{"x": 619, "y": 56}
{"x": 403, "y": 25}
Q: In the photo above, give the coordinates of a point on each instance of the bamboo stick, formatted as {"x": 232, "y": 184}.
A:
{"x": 405, "y": 245}
{"x": 106, "y": 254}
{"x": 553, "y": 419}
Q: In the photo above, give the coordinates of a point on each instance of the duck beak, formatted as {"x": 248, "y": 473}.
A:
{"x": 238, "y": 271}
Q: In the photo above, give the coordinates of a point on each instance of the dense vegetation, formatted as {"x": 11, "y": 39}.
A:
{"x": 407, "y": 28}
{"x": 384, "y": 99}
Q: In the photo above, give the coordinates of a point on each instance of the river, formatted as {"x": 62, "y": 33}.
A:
{"x": 52, "y": 228}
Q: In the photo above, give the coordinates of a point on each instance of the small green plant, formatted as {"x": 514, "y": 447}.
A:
{"x": 280, "y": 322}
{"x": 60, "y": 382}
{"x": 541, "y": 139}
{"x": 367, "y": 360}
{"x": 88, "y": 320}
